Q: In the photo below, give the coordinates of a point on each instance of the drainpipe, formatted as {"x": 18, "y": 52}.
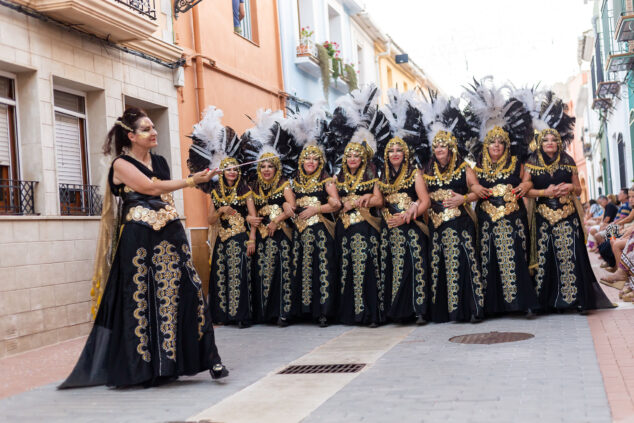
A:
{"x": 376, "y": 61}
{"x": 280, "y": 77}
{"x": 200, "y": 80}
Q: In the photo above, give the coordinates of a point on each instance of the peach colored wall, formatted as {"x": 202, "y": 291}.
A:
{"x": 238, "y": 76}
{"x": 575, "y": 86}
{"x": 245, "y": 76}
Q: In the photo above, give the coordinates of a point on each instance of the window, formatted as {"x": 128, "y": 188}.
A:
{"x": 334, "y": 26}
{"x": 8, "y": 144}
{"x": 76, "y": 196}
{"x": 306, "y": 16}
{"x": 622, "y": 165}
{"x": 247, "y": 27}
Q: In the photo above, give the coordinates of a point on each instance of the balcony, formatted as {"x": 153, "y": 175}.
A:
{"x": 307, "y": 61}
{"x": 608, "y": 89}
{"x": 117, "y": 20}
{"x": 16, "y": 197}
{"x": 79, "y": 200}
{"x": 620, "y": 61}
{"x": 625, "y": 27}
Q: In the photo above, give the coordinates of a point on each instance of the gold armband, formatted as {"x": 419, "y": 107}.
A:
{"x": 190, "y": 182}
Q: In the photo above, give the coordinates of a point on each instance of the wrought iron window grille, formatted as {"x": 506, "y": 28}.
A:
{"x": 144, "y": 7}
{"x": 17, "y": 197}
{"x": 79, "y": 200}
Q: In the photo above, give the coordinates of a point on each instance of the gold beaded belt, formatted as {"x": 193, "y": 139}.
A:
{"x": 445, "y": 216}
{"x": 304, "y": 223}
{"x": 236, "y": 226}
{"x": 353, "y": 216}
{"x": 555, "y": 215}
{"x": 272, "y": 211}
{"x": 498, "y": 212}
{"x": 157, "y": 219}
{"x": 441, "y": 195}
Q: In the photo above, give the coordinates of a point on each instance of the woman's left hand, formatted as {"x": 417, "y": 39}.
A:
{"x": 363, "y": 201}
{"x": 309, "y": 212}
{"x": 272, "y": 227}
{"x": 519, "y": 191}
{"x": 396, "y": 220}
{"x": 456, "y": 200}
{"x": 203, "y": 176}
{"x": 251, "y": 247}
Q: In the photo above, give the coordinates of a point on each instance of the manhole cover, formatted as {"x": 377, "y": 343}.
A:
{"x": 322, "y": 368}
{"x": 491, "y": 337}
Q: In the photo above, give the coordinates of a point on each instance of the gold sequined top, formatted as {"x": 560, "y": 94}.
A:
{"x": 236, "y": 198}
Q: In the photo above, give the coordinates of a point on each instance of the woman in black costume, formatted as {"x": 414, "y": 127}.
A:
{"x": 503, "y": 129}
{"x": 457, "y": 290}
{"x": 404, "y": 234}
{"x": 152, "y": 323}
{"x": 274, "y": 296}
{"x": 563, "y": 275}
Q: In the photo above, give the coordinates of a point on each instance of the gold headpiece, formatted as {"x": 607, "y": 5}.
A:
{"x": 497, "y": 132}
{"x": 228, "y": 161}
{"x": 310, "y": 150}
{"x": 274, "y": 160}
{"x": 355, "y": 147}
{"x": 123, "y": 125}
{"x": 447, "y": 139}
{"x": 549, "y": 131}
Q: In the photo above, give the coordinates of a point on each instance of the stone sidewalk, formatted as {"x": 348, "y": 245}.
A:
{"x": 575, "y": 369}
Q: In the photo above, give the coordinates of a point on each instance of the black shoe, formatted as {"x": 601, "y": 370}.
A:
{"x": 282, "y": 322}
{"x": 582, "y": 311}
{"x": 373, "y": 325}
{"x": 475, "y": 319}
{"x": 323, "y": 322}
{"x": 243, "y": 325}
{"x": 218, "y": 371}
{"x": 420, "y": 320}
{"x": 530, "y": 315}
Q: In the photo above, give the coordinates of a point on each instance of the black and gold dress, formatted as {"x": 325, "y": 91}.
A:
{"x": 152, "y": 322}
{"x": 314, "y": 263}
{"x": 358, "y": 239}
{"x": 404, "y": 265}
{"x": 230, "y": 277}
{"x": 504, "y": 240}
{"x": 457, "y": 290}
{"x": 273, "y": 289}
{"x": 563, "y": 275}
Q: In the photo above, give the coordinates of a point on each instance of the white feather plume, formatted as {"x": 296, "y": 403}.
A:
{"x": 432, "y": 113}
{"x": 362, "y": 135}
{"x": 396, "y": 110}
{"x": 489, "y": 104}
{"x": 264, "y": 120}
{"x": 305, "y": 127}
{"x": 354, "y": 104}
{"x": 210, "y": 130}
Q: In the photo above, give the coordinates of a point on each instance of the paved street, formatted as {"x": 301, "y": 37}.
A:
{"x": 575, "y": 369}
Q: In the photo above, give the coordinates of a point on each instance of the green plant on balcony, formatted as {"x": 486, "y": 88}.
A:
{"x": 332, "y": 65}
{"x": 350, "y": 74}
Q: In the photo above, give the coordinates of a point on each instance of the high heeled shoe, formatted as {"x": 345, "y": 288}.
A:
{"x": 218, "y": 371}
{"x": 420, "y": 320}
{"x": 323, "y": 322}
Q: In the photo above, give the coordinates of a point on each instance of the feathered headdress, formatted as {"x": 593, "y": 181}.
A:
{"x": 491, "y": 114}
{"x": 405, "y": 121}
{"x": 268, "y": 138}
{"x": 443, "y": 121}
{"x": 310, "y": 128}
{"x": 548, "y": 113}
{"x": 357, "y": 119}
{"x": 212, "y": 143}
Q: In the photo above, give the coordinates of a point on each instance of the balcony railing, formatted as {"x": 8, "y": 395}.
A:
{"x": 79, "y": 200}
{"x": 144, "y": 7}
{"x": 16, "y": 197}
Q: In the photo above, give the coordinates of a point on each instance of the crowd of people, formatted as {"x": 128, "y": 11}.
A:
{"x": 414, "y": 212}
{"x": 610, "y": 223}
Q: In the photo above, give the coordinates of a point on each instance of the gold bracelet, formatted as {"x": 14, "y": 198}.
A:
{"x": 190, "y": 182}
{"x": 466, "y": 199}
{"x": 251, "y": 241}
{"x": 319, "y": 209}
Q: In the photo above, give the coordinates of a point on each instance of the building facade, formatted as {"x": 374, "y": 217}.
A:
{"x": 238, "y": 73}
{"x": 609, "y": 144}
{"x": 61, "y": 89}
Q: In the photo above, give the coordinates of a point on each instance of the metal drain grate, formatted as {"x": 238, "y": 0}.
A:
{"x": 491, "y": 338}
{"x": 322, "y": 368}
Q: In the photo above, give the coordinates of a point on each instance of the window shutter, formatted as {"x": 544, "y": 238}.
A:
{"x": 68, "y": 149}
{"x": 5, "y": 140}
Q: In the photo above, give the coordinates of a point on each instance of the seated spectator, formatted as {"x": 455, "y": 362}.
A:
{"x": 238, "y": 15}
{"x": 621, "y": 244}
{"x": 609, "y": 213}
{"x": 622, "y": 217}
{"x": 594, "y": 211}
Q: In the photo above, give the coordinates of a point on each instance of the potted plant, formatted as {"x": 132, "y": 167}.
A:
{"x": 306, "y": 45}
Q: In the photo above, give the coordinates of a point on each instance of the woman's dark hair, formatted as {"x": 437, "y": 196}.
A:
{"x": 118, "y": 134}
{"x": 593, "y": 202}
